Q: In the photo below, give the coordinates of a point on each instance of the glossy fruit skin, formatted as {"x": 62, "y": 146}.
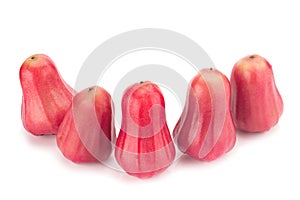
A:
{"x": 144, "y": 146}
{"x": 87, "y": 132}
{"x": 256, "y": 103}
{"x": 205, "y": 130}
{"x": 46, "y": 96}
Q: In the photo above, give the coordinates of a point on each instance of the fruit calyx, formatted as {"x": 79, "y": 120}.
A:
{"x": 90, "y": 89}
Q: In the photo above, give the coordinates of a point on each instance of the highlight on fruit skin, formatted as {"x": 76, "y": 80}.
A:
{"x": 46, "y": 96}
{"x": 84, "y": 122}
{"x": 144, "y": 146}
{"x": 205, "y": 129}
{"x": 87, "y": 133}
{"x": 256, "y": 103}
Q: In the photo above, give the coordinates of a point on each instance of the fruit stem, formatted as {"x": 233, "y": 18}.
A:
{"x": 141, "y": 82}
{"x": 252, "y": 56}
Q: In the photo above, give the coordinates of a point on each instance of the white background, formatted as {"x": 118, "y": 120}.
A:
{"x": 261, "y": 166}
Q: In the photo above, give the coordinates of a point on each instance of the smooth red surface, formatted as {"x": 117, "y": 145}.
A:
{"x": 144, "y": 146}
{"x": 87, "y": 132}
{"x": 70, "y": 143}
{"x": 46, "y": 97}
{"x": 256, "y": 104}
{"x": 205, "y": 129}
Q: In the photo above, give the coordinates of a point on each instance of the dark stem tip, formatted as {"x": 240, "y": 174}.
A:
{"x": 90, "y": 89}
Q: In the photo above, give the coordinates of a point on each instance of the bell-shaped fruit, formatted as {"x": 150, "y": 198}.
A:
{"x": 205, "y": 129}
{"x": 144, "y": 146}
{"x": 46, "y": 97}
{"x": 87, "y": 132}
{"x": 256, "y": 104}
